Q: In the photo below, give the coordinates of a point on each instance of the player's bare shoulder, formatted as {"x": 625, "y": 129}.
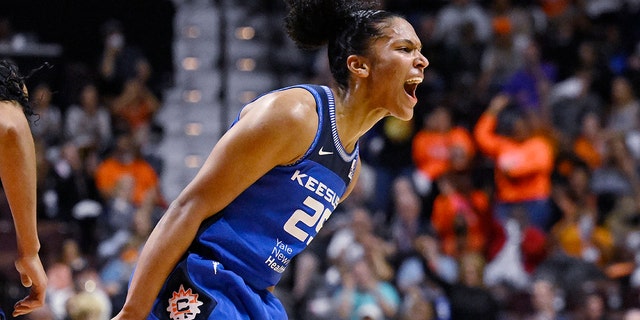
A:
{"x": 12, "y": 118}
{"x": 289, "y": 105}
{"x": 293, "y": 110}
{"x": 299, "y": 104}
{"x": 287, "y": 119}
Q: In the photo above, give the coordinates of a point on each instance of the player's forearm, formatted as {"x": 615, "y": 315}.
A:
{"x": 164, "y": 248}
{"x": 27, "y": 240}
{"x": 19, "y": 181}
{"x": 22, "y": 200}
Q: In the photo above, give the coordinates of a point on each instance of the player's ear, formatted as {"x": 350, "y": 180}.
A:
{"x": 358, "y": 65}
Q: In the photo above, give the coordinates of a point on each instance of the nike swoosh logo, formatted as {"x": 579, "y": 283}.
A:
{"x": 324, "y": 153}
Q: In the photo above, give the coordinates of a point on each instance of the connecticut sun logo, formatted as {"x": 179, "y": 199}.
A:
{"x": 183, "y": 305}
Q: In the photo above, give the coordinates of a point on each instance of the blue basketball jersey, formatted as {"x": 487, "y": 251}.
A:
{"x": 258, "y": 234}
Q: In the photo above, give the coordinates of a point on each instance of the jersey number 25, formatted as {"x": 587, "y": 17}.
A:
{"x": 320, "y": 215}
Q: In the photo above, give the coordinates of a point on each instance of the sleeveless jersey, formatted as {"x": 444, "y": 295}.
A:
{"x": 258, "y": 234}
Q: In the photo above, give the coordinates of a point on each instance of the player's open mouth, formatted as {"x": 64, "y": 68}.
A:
{"x": 411, "y": 85}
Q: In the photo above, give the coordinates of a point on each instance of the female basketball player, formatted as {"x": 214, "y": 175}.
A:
{"x": 275, "y": 177}
{"x": 18, "y": 175}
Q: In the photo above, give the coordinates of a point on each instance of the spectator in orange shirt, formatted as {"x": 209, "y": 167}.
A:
{"x": 125, "y": 162}
{"x": 434, "y": 146}
{"x": 461, "y": 216}
{"x": 578, "y": 233}
{"x": 136, "y": 106}
{"x": 555, "y": 8}
{"x": 523, "y": 164}
{"x": 590, "y": 144}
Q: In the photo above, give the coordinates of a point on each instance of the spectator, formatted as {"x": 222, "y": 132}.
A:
{"x": 593, "y": 307}
{"x": 544, "y": 300}
{"x": 71, "y": 256}
{"x": 469, "y": 297}
{"x": 125, "y": 222}
{"x": 617, "y": 177}
{"x": 454, "y": 16}
{"x": 88, "y": 123}
{"x": 134, "y": 109}
{"x": 461, "y": 216}
{"x": 85, "y": 306}
{"x": 362, "y": 194}
{"x": 578, "y": 233}
{"x": 125, "y": 161}
{"x": 500, "y": 59}
{"x": 575, "y": 185}
{"x": 116, "y": 271}
{"x": 416, "y": 306}
{"x": 118, "y": 61}
{"x": 460, "y": 60}
{"x": 361, "y": 289}
{"x": 633, "y": 64}
{"x": 407, "y": 223}
{"x": 623, "y": 221}
{"x": 59, "y": 289}
{"x": 387, "y": 150}
{"x": 590, "y": 144}
{"x": 416, "y": 274}
{"x": 591, "y": 60}
{"x": 48, "y": 127}
{"x": 523, "y": 165}
{"x": 425, "y": 273}
{"x": 77, "y": 200}
{"x": 359, "y": 239}
{"x": 118, "y": 222}
{"x": 90, "y": 300}
{"x": 509, "y": 17}
{"x": 433, "y": 147}
{"x": 530, "y": 85}
{"x": 624, "y": 112}
{"x": 572, "y": 102}
{"x": 556, "y": 9}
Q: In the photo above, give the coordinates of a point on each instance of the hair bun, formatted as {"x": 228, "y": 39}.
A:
{"x": 311, "y": 23}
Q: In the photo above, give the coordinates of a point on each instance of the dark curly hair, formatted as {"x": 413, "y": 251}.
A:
{"x": 346, "y": 26}
{"x": 12, "y": 86}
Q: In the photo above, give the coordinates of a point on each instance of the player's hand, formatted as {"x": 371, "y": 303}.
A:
{"x": 32, "y": 275}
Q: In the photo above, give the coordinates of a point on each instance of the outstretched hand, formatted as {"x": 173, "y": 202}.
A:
{"x": 32, "y": 275}
{"x": 498, "y": 103}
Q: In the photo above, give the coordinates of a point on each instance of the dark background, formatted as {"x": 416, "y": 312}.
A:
{"x": 76, "y": 26}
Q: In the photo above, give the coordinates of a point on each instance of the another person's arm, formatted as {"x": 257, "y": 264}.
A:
{"x": 276, "y": 129}
{"x": 18, "y": 174}
{"x": 484, "y": 132}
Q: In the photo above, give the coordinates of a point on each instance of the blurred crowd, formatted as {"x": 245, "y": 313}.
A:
{"x": 99, "y": 169}
{"x": 514, "y": 193}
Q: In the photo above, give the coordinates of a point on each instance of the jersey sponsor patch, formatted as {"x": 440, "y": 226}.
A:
{"x": 181, "y": 299}
{"x": 184, "y": 304}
